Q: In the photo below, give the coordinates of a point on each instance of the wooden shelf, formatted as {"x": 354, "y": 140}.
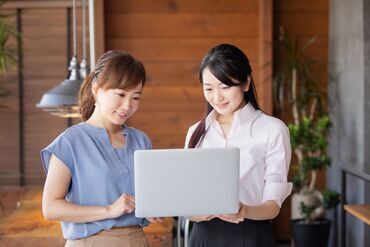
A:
{"x": 360, "y": 211}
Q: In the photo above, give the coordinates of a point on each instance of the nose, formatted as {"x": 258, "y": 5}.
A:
{"x": 218, "y": 96}
{"x": 126, "y": 104}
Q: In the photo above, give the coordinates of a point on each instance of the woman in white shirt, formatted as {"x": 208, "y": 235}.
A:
{"x": 234, "y": 119}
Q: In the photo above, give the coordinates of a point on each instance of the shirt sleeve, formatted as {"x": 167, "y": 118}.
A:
{"x": 148, "y": 143}
{"x": 61, "y": 148}
{"x": 278, "y": 157}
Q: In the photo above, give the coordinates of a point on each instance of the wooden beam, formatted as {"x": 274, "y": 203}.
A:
{"x": 265, "y": 54}
{"x": 97, "y": 32}
{"x": 39, "y": 4}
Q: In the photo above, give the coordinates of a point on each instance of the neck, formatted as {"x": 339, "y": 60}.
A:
{"x": 225, "y": 119}
{"x": 98, "y": 121}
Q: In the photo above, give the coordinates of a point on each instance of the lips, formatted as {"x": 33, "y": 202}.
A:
{"x": 122, "y": 114}
{"x": 223, "y": 105}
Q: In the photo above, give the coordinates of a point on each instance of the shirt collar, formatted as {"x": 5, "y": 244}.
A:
{"x": 100, "y": 130}
{"x": 243, "y": 116}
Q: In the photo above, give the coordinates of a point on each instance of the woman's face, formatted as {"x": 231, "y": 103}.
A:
{"x": 117, "y": 105}
{"x": 224, "y": 99}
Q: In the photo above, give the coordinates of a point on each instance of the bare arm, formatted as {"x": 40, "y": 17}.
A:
{"x": 55, "y": 207}
{"x": 265, "y": 211}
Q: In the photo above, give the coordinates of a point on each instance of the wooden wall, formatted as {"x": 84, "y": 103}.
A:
{"x": 44, "y": 54}
{"x": 170, "y": 38}
{"x": 302, "y": 19}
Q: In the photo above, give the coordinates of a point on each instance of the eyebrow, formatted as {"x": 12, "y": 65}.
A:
{"x": 125, "y": 91}
{"x": 208, "y": 84}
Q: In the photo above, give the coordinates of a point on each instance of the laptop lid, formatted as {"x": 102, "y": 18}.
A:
{"x": 186, "y": 182}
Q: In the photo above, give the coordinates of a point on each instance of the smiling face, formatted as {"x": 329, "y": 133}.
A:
{"x": 223, "y": 98}
{"x": 115, "y": 106}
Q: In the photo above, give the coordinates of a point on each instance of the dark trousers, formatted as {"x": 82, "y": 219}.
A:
{"x": 219, "y": 233}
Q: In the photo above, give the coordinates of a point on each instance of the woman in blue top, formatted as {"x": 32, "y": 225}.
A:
{"x": 90, "y": 182}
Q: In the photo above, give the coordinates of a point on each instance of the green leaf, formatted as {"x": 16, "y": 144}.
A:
{"x": 330, "y": 199}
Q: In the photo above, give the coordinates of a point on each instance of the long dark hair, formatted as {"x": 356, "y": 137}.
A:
{"x": 231, "y": 66}
{"x": 114, "y": 69}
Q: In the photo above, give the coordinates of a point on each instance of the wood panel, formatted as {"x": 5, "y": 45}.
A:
{"x": 41, "y": 128}
{"x": 314, "y": 23}
{"x": 181, "y": 6}
{"x": 164, "y": 49}
{"x": 182, "y": 25}
{"x": 171, "y": 37}
{"x": 44, "y": 50}
{"x": 302, "y": 6}
{"x": 165, "y": 73}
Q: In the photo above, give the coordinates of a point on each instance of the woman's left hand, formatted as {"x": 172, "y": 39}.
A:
{"x": 234, "y": 218}
{"x": 155, "y": 219}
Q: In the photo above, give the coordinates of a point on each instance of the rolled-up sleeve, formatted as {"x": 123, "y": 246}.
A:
{"x": 278, "y": 157}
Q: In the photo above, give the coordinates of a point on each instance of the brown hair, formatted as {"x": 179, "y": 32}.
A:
{"x": 114, "y": 69}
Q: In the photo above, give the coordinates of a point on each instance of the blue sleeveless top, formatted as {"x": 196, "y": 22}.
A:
{"x": 100, "y": 172}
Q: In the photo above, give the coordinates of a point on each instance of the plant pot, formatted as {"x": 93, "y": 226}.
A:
{"x": 309, "y": 198}
{"x": 311, "y": 234}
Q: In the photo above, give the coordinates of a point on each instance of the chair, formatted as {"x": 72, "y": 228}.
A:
{"x": 183, "y": 227}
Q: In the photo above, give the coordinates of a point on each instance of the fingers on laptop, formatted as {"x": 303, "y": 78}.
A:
{"x": 123, "y": 205}
{"x": 155, "y": 219}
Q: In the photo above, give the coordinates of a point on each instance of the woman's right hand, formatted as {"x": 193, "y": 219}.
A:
{"x": 125, "y": 204}
{"x": 200, "y": 218}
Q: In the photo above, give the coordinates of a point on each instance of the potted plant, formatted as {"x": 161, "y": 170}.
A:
{"x": 296, "y": 91}
{"x": 312, "y": 231}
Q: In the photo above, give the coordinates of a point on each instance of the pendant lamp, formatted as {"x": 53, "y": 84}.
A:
{"x": 62, "y": 100}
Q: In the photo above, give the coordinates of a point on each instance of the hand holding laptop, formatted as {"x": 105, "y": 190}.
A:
{"x": 233, "y": 218}
{"x": 201, "y": 218}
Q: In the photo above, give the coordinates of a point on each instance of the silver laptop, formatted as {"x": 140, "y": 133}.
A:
{"x": 185, "y": 182}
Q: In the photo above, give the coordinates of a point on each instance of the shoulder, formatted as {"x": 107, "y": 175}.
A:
{"x": 139, "y": 135}
{"x": 193, "y": 127}
{"x": 271, "y": 123}
{"x": 72, "y": 131}
{"x": 191, "y": 131}
{"x": 71, "y": 134}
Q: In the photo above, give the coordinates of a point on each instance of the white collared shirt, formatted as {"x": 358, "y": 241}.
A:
{"x": 265, "y": 153}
